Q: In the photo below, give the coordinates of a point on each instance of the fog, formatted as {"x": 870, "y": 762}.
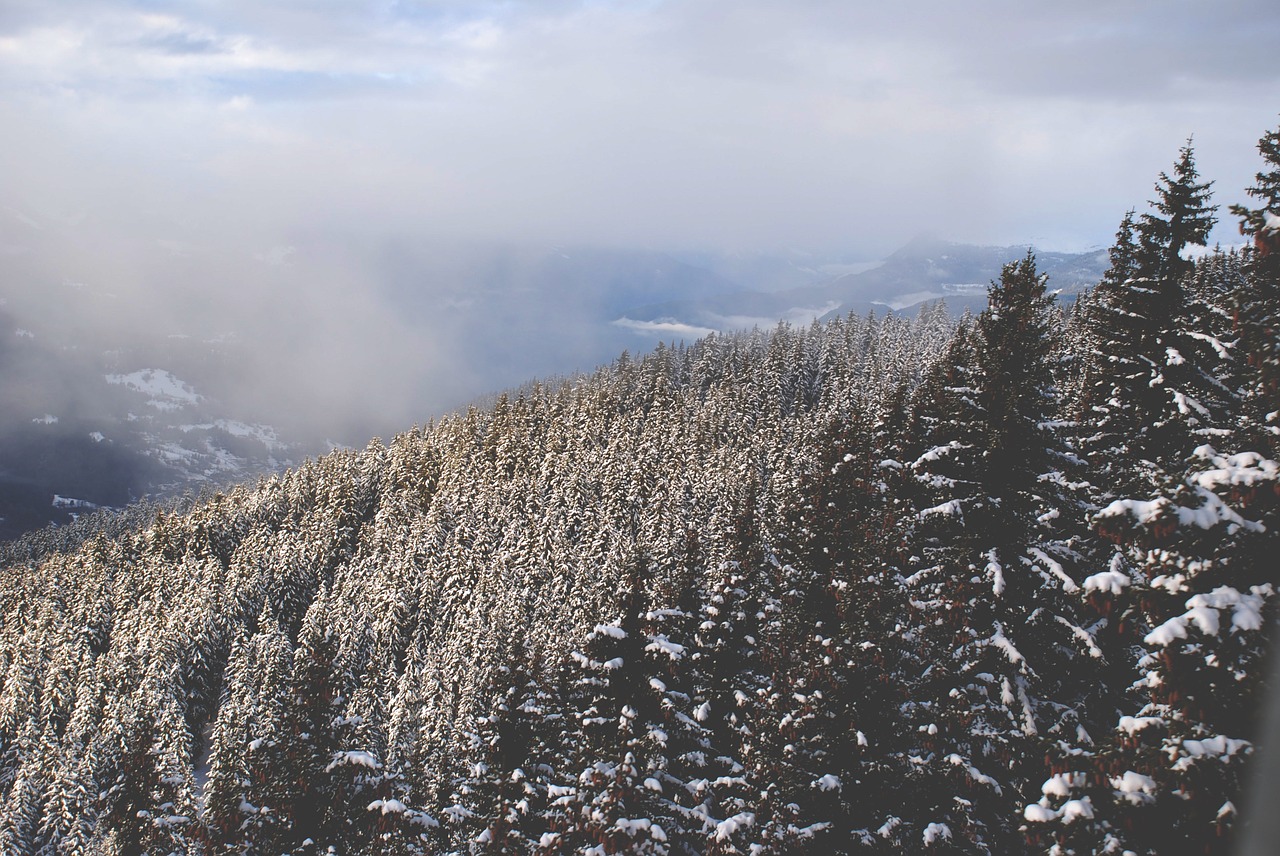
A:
{"x": 360, "y": 206}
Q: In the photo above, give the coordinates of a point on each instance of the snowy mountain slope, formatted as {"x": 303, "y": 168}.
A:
{"x": 81, "y": 422}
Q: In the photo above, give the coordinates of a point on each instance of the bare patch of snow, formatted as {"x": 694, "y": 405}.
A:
{"x": 167, "y": 393}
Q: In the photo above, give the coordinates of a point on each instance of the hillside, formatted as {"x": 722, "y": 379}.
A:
{"x": 143, "y": 383}
{"x": 868, "y": 585}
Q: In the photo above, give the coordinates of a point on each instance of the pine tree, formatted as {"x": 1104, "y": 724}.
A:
{"x": 1188, "y": 587}
{"x": 1153, "y": 385}
{"x": 1183, "y": 217}
{"x": 1257, "y": 304}
{"x": 991, "y": 595}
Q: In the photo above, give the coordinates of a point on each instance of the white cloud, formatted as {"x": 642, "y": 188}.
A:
{"x": 702, "y": 123}
{"x": 214, "y": 132}
{"x": 668, "y": 327}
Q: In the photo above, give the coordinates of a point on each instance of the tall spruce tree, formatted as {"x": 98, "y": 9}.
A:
{"x": 991, "y": 594}
{"x": 1182, "y": 216}
{"x": 1153, "y": 384}
{"x": 1190, "y": 588}
{"x": 1257, "y": 307}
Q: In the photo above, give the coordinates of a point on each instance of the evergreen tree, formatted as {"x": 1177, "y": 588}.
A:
{"x": 1182, "y": 217}
{"x": 991, "y": 596}
{"x": 1257, "y": 303}
{"x": 1188, "y": 588}
{"x": 1153, "y": 383}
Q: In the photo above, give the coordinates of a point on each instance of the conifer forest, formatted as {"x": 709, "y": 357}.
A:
{"x": 997, "y": 584}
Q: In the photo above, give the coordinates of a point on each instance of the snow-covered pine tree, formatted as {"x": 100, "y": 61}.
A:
{"x": 500, "y": 798}
{"x": 1153, "y": 381}
{"x": 247, "y": 792}
{"x": 618, "y": 745}
{"x": 1190, "y": 587}
{"x": 1257, "y": 305}
{"x": 991, "y": 596}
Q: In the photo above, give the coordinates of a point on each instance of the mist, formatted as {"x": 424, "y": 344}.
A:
{"x": 369, "y": 214}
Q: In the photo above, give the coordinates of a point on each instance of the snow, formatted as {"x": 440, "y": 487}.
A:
{"x": 1165, "y": 634}
{"x": 1083, "y": 635}
{"x": 889, "y": 826}
{"x": 974, "y": 773}
{"x": 1135, "y": 788}
{"x": 726, "y": 828}
{"x": 97, "y": 436}
{"x": 1211, "y": 512}
{"x": 950, "y": 508}
{"x": 1219, "y": 748}
{"x": 827, "y": 783}
{"x": 936, "y": 832}
{"x": 999, "y": 640}
{"x": 47, "y": 419}
{"x": 1107, "y": 582}
{"x": 653, "y": 785}
{"x": 632, "y": 827}
{"x": 938, "y": 453}
{"x": 663, "y": 645}
{"x": 392, "y": 806}
{"x": 1076, "y": 810}
{"x": 613, "y": 631}
{"x": 1058, "y": 785}
{"x": 1053, "y": 567}
{"x": 69, "y": 502}
{"x": 264, "y": 434}
{"x": 166, "y": 391}
{"x": 1222, "y": 348}
{"x": 1133, "y": 724}
{"x": 1203, "y": 610}
{"x": 355, "y": 758}
{"x": 996, "y": 572}
{"x": 1186, "y": 404}
{"x": 702, "y": 712}
{"x": 1037, "y": 813}
{"x": 1246, "y": 469}
{"x": 1205, "y": 618}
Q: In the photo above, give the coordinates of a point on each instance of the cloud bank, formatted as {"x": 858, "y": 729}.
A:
{"x": 250, "y": 166}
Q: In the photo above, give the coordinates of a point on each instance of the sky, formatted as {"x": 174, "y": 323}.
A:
{"x": 202, "y": 155}
{"x": 820, "y": 125}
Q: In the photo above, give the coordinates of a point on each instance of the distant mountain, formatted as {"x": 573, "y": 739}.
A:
{"x": 185, "y": 367}
{"x": 927, "y": 269}
{"x": 84, "y": 424}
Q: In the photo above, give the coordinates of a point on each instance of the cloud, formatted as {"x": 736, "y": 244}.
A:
{"x": 183, "y": 144}
{"x": 705, "y": 123}
{"x": 665, "y": 327}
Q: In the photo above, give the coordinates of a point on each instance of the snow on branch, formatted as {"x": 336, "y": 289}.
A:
{"x": 1203, "y": 611}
